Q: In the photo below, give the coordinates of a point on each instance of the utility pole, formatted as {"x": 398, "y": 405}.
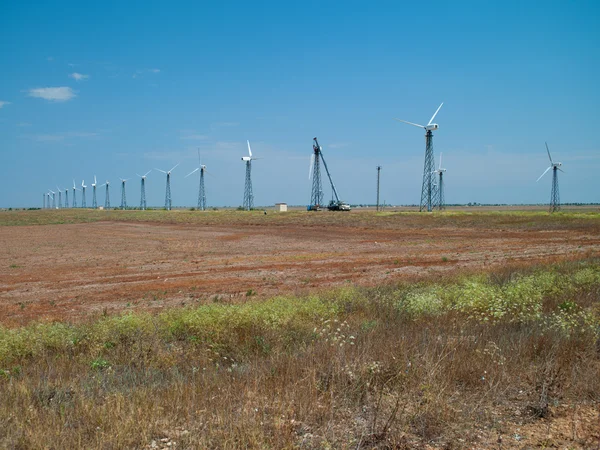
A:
{"x": 378, "y": 176}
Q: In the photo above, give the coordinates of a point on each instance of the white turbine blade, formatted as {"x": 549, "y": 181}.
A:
{"x": 160, "y": 170}
{"x": 192, "y": 172}
{"x": 543, "y": 173}
{"x": 95, "y": 182}
{"x": 82, "y": 181}
{"x": 561, "y": 170}
{"x": 174, "y": 167}
{"x": 249, "y": 149}
{"x": 549, "y": 157}
{"x": 410, "y": 123}
{"x": 310, "y": 167}
{"x": 433, "y": 117}
{"x": 102, "y": 185}
{"x": 138, "y": 175}
{"x": 146, "y": 174}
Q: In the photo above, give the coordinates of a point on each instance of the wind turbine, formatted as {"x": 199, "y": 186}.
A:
{"x": 83, "y": 186}
{"x": 554, "y": 194}
{"x": 59, "y": 198}
{"x": 428, "y": 189}
{"x": 44, "y": 201}
{"x": 94, "y": 203}
{"x": 74, "y": 196}
{"x": 106, "y": 195}
{"x": 168, "y": 188}
{"x": 248, "y": 195}
{"x": 66, "y": 197}
{"x": 441, "y": 200}
{"x": 201, "y": 191}
{"x": 123, "y": 196}
{"x": 143, "y": 190}
{"x": 53, "y": 194}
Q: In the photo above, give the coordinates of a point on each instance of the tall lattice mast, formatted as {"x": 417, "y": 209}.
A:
{"x": 378, "y": 178}
{"x": 554, "y": 193}
{"x": 428, "y": 187}
{"x": 53, "y": 199}
{"x": 59, "y": 198}
{"x": 94, "y": 184}
{"x": 107, "y": 196}
{"x": 83, "y": 186}
{"x": 201, "y": 190}
{"x": 440, "y": 201}
{"x": 143, "y": 190}
{"x": 168, "y": 187}
{"x": 248, "y": 194}
{"x": 66, "y": 197}
{"x": 74, "y": 196}
{"x": 123, "y": 194}
{"x": 44, "y": 201}
{"x": 316, "y": 195}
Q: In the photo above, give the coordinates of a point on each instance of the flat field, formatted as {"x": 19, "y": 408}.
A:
{"x": 73, "y": 263}
{"x": 361, "y": 330}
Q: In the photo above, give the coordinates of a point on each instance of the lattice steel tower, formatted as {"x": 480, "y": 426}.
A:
{"x": 554, "y": 193}
{"x": 74, "y": 196}
{"x": 440, "y": 202}
{"x": 248, "y": 194}
{"x": 378, "y": 177}
{"x": 428, "y": 187}
{"x": 59, "y": 198}
{"x": 123, "y": 196}
{"x": 107, "y": 196}
{"x": 168, "y": 187}
{"x": 44, "y": 202}
{"x": 66, "y": 197}
{"x": 83, "y": 203}
{"x": 201, "y": 190}
{"x": 143, "y": 190}
{"x": 316, "y": 195}
{"x": 94, "y": 184}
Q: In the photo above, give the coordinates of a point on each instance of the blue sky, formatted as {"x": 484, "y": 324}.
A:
{"x": 118, "y": 88}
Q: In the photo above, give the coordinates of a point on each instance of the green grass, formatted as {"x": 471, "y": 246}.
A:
{"x": 418, "y": 363}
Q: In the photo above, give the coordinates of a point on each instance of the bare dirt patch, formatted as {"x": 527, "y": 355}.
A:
{"x": 71, "y": 270}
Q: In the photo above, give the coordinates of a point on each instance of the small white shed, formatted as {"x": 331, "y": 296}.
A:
{"x": 281, "y": 207}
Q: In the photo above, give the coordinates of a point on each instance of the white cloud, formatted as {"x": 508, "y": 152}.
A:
{"x": 55, "y": 94}
{"x": 154, "y": 70}
{"x": 3, "y": 104}
{"x": 78, "y": 76}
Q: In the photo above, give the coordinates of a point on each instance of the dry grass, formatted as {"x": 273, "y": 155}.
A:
{"x": 523, "y": 219}
{"x": 454, "y": 363}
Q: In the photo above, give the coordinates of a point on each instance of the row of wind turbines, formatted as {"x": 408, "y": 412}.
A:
{"x": 432, "y": 188}
{"x": 50, "y": 196}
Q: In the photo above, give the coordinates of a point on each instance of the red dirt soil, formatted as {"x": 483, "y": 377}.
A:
{"x": 70, "y": 271}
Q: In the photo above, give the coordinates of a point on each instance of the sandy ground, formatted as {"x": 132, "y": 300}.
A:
{"x": 73, "y": 270}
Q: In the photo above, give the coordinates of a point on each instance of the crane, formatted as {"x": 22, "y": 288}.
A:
{"x": 337, "y": 204}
